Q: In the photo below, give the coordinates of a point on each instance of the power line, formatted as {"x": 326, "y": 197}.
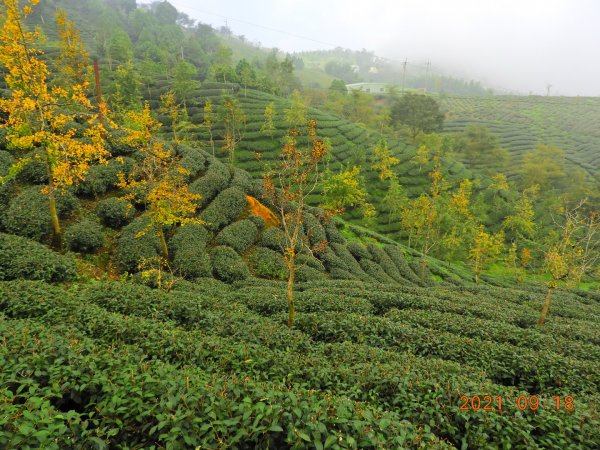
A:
{"x": 287, "y": 33}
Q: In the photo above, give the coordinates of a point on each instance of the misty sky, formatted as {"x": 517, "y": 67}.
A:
{"x": 520, "y": 45}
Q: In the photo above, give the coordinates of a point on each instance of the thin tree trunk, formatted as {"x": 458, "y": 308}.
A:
{"x": 56, "y": 232}
{"x": 290, "y": 293}
{"x": 545, "y": 308}
{"x": 163, "y": 243}
{"x": 423, "y": 267}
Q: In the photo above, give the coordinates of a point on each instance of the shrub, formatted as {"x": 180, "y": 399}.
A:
{"x": 379, "y": 255}
{"x": 188, "y": 251}
{"x": 224, "y": 209}
{"x": 193, "y": 159}
{"x": 85, "y": 236}
{"x": 131, "y": 250}
{"x": 314, "y": 230}
{"x": 358, "y": 250}
{"x": 239, "y": 235}
{"x": 308, "y": 273}
{"x": 258, "y": 221}
{"x": 23, "y": 258}
{"x": 115, "y": 142}
{"x": 333, "y": 234}
{"x": 242, "y": 180}
{"x": 28, "y": 214}
{"x": 267, "y": 263}
{"x": 102, "y": 177}
{"x": 228, "y": 266}
{"x": 35, "y": 171}
{"x": 375, "y": 271}
{"x": 406, "y": 272}
{"x": 115, "y": 212}
{"x": 6, "y": 160}
{"x": 309, "y": 260}
{"x": 214, "y": 181}
{"x": 273, "y": 238}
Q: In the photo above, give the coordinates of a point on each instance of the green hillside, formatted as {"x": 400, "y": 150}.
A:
{"x": 149, "y": 278}
{"x": 571, "y": 123}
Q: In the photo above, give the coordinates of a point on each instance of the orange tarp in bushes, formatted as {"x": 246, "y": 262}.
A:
{"x": 258, "y": 209}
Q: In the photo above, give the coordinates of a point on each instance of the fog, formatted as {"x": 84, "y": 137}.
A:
{"x": 521, "y": 46}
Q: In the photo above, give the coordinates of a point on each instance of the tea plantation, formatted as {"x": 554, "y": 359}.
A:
{"x": 377, "y": 358}
{"x": 570, "y": 123}
{"x": 370, "y": 365}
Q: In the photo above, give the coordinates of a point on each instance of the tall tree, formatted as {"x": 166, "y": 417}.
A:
{"x": 485, "y": 248}
{"x": 544, "y": 167}
{"x": 295, "y": 115}
{"x": 185, "y": 81}
{"x": 39, "y": 116}
{"x": 268, "y": 127}
{"x": 574, "y": 253}
{"x": 208, "y": 122}
{"x": 73, "y": 61}
{"x": 419, "y": 113}
{"x": 343, "y": 190}
{"x": 287, "y": 186}
{"x": 158, "y": 181}
{"x": 234, "y": 122}
{"x": 383, "y": 161}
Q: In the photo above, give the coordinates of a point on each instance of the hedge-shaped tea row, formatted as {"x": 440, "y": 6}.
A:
{"x": 530, "y": 338}
{"x": 110, "y": 400}
{"x": 540, "y": 371}
{"x": 415, "y": 387}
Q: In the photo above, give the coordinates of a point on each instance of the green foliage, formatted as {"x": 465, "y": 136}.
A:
{"x": 21, "y": 258}
{"x": 267, "y": 263}
{"x": 85, "y": 236}
{"x": 28, "y": 214}
{"x": 189, "y": 253}
{"x": 224, "y": 209}
{"x": 228, "y": 266}
{"x": 239, "y": 235}
{"x": 103, "y": 177}
{"x": 131, "y": 250}
{"x": 420, "y": 113}
{"x": 273, "y": 238}
{"x": 215, "y": 180}
{"x": 115, "y": 212}
{"x": 193, "y": 159}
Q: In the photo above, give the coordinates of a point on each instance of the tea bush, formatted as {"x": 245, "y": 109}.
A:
{"x": 239, "y": 235}
{"x": 131, "y": 250}
{"x": 215, "y": 180}
{"x": 103, "y": 177}
{"x": 227, "y": 265}
{"x": 28, "y": 214}
{"x": 192, "y": 159}
{"x": 224, "y": 209}
{"x": 267, "y": 263}
{"x": 189, "y": 253}
{"x": 21, "y": 258}
{"x": 115, "y": 212}
{"x": 85, "y": 236}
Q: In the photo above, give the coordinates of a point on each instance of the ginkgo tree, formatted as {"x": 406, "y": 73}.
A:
{"x": 287, "y": 186}
{"x": 574, "y": 253}
{"x": 383, "y": 161}
{"x": 39, "y": 115}
{"x": 485, "y": 248}
{"x": 158, "y": 181}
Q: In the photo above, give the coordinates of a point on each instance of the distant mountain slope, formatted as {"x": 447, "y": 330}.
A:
{"x": 571, "y": 123}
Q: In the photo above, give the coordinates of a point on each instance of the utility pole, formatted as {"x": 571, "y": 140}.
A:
{"x": 427, "y": 68}
{"x": 404, "y": 73}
